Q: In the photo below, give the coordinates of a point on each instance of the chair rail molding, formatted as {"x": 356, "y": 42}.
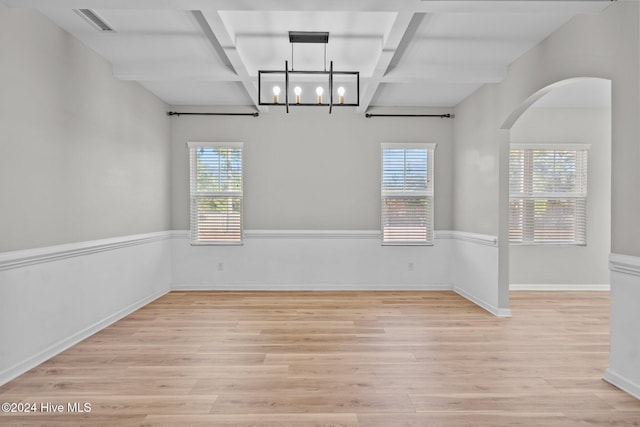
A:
{"x": 27, "y": 257}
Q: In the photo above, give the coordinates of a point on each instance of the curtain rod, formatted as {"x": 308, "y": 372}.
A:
{"x": 177, "y": 113}
{"x": 257, "y": 114}
{"x": 442, "y": 116}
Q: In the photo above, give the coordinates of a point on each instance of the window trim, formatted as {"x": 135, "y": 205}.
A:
{"x": 577, "y": 147}
{"x": 430, "y": 194}
{"x": 194, "y": 145}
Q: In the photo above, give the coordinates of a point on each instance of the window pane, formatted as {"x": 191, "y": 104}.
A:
{"x": 404, "y": 169}
{"x": 219, "y": 170}
{"x": 216, "y": 194}
{"x": 405, "y": 219}
{"x": 218, "y": 218}
{"x": 548, "y": 189}
{"x": 516, "y": 220}
{"x": 516, "y": 171}
{"x": 554, "y": 171}
{"x": 416, "y": 170}
{"x": 557, "y": 221}
{"x": 407, "y": 194}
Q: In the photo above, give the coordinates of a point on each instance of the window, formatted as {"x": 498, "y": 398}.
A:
{"x": 216, "y": 193}
{"x": 548, "y": 194}
{"x": 407, "y": 194}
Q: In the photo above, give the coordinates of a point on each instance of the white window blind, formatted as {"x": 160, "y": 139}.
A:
{"x": 407, "y": 194}
{"x": 548, "y": 194}
{"x": 216, "y": 193}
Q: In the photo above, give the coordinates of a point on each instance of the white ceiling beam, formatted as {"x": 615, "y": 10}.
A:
{"x": 417, "y": 21}
{"x": 201, "y": 22}
{"x": 171, "y": 71}
{"x": 224, "y": 40}
{"x": 399, "y": 29}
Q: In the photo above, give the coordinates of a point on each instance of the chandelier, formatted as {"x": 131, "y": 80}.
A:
{"x": 317, "y": 88}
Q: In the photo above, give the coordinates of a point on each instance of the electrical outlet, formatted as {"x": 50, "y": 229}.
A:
{"x": 410, "y": 266}
{"x": 220, "y": 266}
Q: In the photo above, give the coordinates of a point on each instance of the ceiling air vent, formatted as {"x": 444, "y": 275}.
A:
{"x": 91, "y": 17}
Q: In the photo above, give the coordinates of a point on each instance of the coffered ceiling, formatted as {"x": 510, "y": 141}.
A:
{"x": 408, "y": 52}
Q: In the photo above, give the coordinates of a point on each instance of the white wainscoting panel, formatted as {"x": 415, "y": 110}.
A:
{"x": 475, "y": 270}
{"x": 311, "y": 260}
{"x": 52, "y": 298}
{"x": 624, "y": 355}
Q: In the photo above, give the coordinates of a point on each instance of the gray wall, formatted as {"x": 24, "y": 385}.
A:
{"x": 311, "y": 170}
{"x": 476, "y": 163}
{"x": 82, "y": 155}
{"x": 606, "y": 45}
{"x": 562, "y": 264}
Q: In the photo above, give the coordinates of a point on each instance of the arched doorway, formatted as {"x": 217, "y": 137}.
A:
{"x": 557, "y": 243}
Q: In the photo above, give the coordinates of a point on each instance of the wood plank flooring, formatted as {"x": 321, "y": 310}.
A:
{"x": 349, "y": 359}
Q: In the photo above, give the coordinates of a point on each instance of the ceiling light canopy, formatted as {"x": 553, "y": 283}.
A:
{"x": 308, "y": 37}
{"x": 341, "y": 85}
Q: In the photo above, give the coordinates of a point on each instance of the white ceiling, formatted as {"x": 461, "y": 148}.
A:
{"x": 409, "y": 52}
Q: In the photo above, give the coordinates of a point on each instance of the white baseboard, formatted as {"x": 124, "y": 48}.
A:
{"x": 33, "y": 361}
{"x": 622, "y": 383}
{"x": 499, "y": 312}
{"x": 559, "y": 287}
{"x": 312, "y": 287}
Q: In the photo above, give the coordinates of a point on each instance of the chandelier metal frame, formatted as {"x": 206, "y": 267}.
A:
{"x": 309, "y": 37}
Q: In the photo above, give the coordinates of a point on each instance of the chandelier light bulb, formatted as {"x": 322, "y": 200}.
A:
{"x": 341, "y": 95}
{"x": 297, "y": 91}
{"x": 276, "y": 93}
{"x": 319, "y": 92}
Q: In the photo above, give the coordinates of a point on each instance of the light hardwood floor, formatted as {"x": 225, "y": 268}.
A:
{"x": 338, "y": 359}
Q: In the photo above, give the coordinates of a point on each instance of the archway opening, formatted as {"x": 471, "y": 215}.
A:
{"x": 560, "y": 240}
